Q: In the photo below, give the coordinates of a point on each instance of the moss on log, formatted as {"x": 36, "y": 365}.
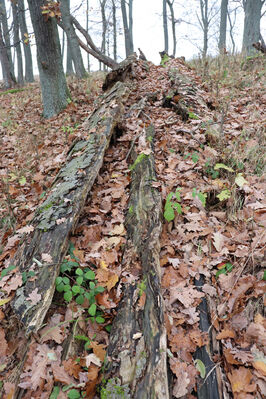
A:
{"x": 58, "y": 215}
{"x": 137, "y": 349}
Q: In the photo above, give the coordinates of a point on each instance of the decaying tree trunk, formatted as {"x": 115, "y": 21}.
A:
{"x": 184, "y": 97}
{"x": 137, "y": 349}
{"x": 208, "y": 388}
{"x": 120, "y": 73}
{"x": 57, "y": 216}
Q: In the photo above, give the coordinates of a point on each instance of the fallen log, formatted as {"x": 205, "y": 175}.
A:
{"x": 58, "y": 215}
{"x": 137, "y": 349}
{"x": 208, "y": 388}
{"x": 120, "y": 72}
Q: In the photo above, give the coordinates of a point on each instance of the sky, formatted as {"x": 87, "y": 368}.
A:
{"x": 148, "y": 29}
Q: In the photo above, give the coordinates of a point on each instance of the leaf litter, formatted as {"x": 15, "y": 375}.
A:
{"x": 200, "y": 240}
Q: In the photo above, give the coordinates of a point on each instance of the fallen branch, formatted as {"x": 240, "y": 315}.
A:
{"x": 137, "y": 349}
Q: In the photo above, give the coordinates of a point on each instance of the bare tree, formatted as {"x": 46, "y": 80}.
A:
{"x": 165, "y": 27}
{"x": 128, "y": 25}
{"x": 72, "y": 40}
{"x": 6, "y": 36}
{"x": 16, "y": 38}
{"x": 25, "y": 39}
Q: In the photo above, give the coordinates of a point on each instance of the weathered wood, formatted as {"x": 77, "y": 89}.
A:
{"x": 120, "y": 73}
{"x": 57, "y": 216}
{"x": 137, "y": 349}
{"x": 208, "y": 388}
{"x": 184, "y": 97}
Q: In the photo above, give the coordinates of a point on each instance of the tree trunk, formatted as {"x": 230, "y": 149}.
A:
{"x": 165, "y": 27}
{"x": 231, "y": 32}
{"x": 15, "y": 13}
{"x": 204, "y": 25}
{"x": 7, "y": 75}
{"x": 127, "y": 23}
{"x": 87, "y": 29}
{"x": 72, "y": 39}
{"x": 172, "y": 12}
{"x": 6, "y": 36}
{"x": 69, "y": 63}
{"x": 137, "y": 351}
{"x": 251, "y": 33}
{"x": 53, "y": 81}
{"x": 104, "y": 28}
{"x": 223, "y": 21}
{"x": 29, "y": 77}
{"x": 114, "y": 30}
{"x": 72, "y": 184}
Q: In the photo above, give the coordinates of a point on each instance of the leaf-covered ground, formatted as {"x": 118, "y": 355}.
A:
{"x": 210, "y": 174}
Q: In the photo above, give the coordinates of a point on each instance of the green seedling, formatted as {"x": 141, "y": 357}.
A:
{"x": 172, "y": 206}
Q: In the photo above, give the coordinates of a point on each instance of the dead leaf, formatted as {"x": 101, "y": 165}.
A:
{"x": 241, "y": 380}
{"x": 226, "y": 333}
{"x": 60, "y": 375}
{"x": 47, "y": 258}
{"x": 4, "y": 345}
{"x": 34, "y": 297}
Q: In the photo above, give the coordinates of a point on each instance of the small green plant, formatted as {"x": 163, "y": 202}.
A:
{"x": 6, "y": 271}
{"x": 210, "y": 171}
{"x": 68, "y": 129}
{"x": 191, "y": 115}
{"x": 172, "y": 206}
{"x": 80, "y": 284}
{"x": 194, "y": 156}
{"x": 142, "y": 287}
{"x": 164, "y": 60}
{"x": 201, "y": 196}
{"x": 224, "y": 269}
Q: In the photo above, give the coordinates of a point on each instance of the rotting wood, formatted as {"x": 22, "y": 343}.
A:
{"x": 120, "y": 73}
{"x": 207, "y": 388}
{"x": 184, "y": 97}
{"x": 137, "y": 350}
{"x": 58, "y": 215}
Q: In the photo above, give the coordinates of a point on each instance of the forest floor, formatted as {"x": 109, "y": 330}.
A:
{"x": 210, "y": 176}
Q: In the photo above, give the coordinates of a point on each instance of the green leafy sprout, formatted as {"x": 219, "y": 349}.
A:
{"x": 172, "y": 204}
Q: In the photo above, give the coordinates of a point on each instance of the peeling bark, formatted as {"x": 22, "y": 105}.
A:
{"x": 137, "y": 349}
{"x": 120, "y": 73}
{"x": 65, "y": 201}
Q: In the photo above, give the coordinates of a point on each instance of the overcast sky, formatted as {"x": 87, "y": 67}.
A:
{"x": 148, "y": 30}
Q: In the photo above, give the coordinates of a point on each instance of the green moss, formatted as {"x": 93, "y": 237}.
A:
{"x": 11, "y": 91}
{"x": 114, "y": 390}
{"x": 131, "y": 210}
{"x": 191, "y": 115}
{"x": 137, "y": 161}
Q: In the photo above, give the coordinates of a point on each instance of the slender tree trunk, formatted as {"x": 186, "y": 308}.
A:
{"x": 52, "y": 78}
{"x": 165, "y": 27}
{"x": 130, "y": 24}
{"x": 6, "y": 36}
{"x": 29, "y": 77}
{"x": 223, "y": 23}
{"x": 231, "y": 33}
{"x": 114, "y": 30}
{"x": 7, "y": 75}
{"x": 87, "y": 29}
{"x": 127, "y": 23}
{"x": 172, "y": 12}
{"x": 17, "y": 41}
{"x": 69, "y": 63}
{"x": 251, "y": 33}
{"x": 72, "y": 39}
{"x": 205, "y": 25}
{"x": 63, "y": 45}
{"x": 104, "y": 28}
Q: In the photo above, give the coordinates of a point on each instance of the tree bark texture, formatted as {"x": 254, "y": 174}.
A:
{"x": 223, "y": 23}
{"x": 137, "y": 346}
{"x": 165, "y": 27}
{"x": 251, "y": 33}
{"x": 114, "y": 29}
{"x": 15, "y": 13}
{"x": 6, "y": 36}
{"x": 29, "y": 77}
{"x": 120, "y": 73}
{"x": 72, "y": 40}
{"x": 69, "y": 62}
{"x": 204, "y": 22}
{"x": 52, "y": 78}
{"x": 65, "y": 202}
{"x": 172, "y": 13}
{"x": 128, "y": 29}
{"x": 7, "y": 75}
